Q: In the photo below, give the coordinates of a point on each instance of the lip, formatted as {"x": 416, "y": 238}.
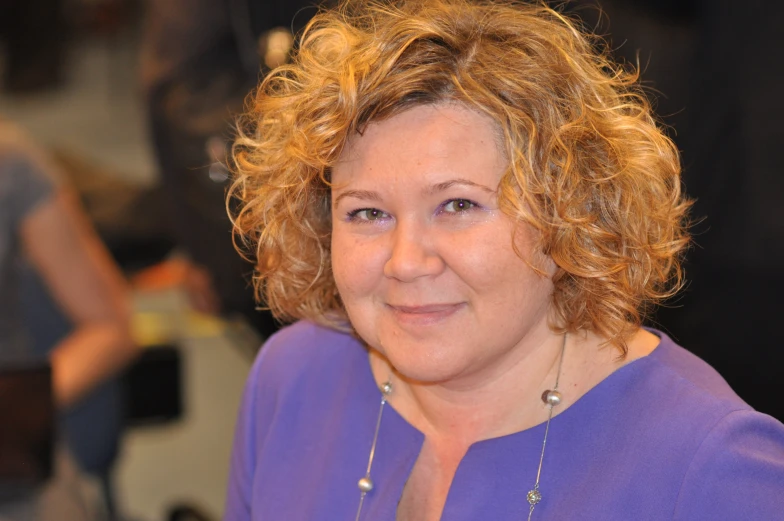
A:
{"x": 425, "y": 314}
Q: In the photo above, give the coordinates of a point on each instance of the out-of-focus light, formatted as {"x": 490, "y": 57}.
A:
{"x": 275, "y": 46}
{"x": 217, "y": 150}
{"x": 218, "y": 172}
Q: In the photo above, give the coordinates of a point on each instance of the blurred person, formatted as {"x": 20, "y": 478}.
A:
{"x": 41, "y": 221}
{"x": 469, "y": 209}
{"x": 199, "y": 60}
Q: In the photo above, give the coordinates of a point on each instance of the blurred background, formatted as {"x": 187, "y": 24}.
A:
{"x": 133, "y": 101}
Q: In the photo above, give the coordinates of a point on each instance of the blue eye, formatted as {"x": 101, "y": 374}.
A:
{"x": 458, "y": 206}
{"x": 367, "y": 214}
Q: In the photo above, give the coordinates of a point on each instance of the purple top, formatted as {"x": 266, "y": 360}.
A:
{"x": 664, "y": 437}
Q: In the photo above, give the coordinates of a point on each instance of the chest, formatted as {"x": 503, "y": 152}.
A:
{"x": 427, "y": 487}
{"x": 311, "y": 474}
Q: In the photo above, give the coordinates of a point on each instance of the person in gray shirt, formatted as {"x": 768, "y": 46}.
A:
{"x": 42, "y": 222}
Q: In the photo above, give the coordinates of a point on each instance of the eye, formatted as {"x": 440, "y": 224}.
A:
{"x": 458, "y": 206}
{"x": 367, "y": 214}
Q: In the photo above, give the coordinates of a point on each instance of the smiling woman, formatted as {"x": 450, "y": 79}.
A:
{"x": 469, "y": 209}
{"x": 428, "y": 274}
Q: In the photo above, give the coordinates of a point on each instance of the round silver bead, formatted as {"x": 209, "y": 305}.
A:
{"x": 386, "y": 388}
{"x": 533, "y": 497}
{"x": 551, "y": 398}
{"x": 365, "y": 484}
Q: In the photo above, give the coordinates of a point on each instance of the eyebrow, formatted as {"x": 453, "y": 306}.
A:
{"x": 440, "y": 187}
{"x": 366, "y": 195}
{"x": 369, "y": 195}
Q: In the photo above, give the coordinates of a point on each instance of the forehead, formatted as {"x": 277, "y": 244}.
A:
{"x": 427, "y": 138}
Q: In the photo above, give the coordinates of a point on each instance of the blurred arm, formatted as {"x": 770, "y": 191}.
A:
{"x": 87, "y": 284}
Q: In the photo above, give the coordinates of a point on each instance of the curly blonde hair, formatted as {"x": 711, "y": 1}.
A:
{"x": 588, "y": 166}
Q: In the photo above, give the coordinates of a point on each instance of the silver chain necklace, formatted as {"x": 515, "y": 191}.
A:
{"x": 552, "y": 398}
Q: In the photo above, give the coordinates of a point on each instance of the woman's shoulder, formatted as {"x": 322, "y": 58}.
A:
{"x": 694, "y": 408}
{"x": 698, "y": 446}
{"x": 306, "y": 343}
{"x": 690, "y": 379}
{"x": 678, "y": 393}
{"x": 736, "y": 472}
{"x": 303, "y": 378}
{"x": 682, "y": 386}
{"x": 27, "y": 175}
{"x": 305, "y": 352}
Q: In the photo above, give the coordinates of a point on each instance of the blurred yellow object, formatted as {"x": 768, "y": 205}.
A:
{"x": 153, "y": 328}
{"x": 166, "y": 316}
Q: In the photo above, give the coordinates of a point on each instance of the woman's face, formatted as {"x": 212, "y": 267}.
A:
{"x": 422, "y": 255}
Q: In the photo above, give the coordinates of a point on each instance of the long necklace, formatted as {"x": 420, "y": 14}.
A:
{"x": 365, "y": 484}
{"x": 551, "y": 398}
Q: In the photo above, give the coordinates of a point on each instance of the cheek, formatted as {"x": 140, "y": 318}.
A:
{"x": 342, "y": 263}
{"x": 497, "y": 274}
{"x": 356, "y": 278}
{"x": 355, "y": 266}
{"x": 484, "y": 259}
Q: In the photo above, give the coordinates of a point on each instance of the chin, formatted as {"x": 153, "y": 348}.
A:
{"x": 425, "y": 364}
{"x": 426, "y": 353}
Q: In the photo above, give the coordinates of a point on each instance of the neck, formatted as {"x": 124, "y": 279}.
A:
{"x": 506, "y": 399}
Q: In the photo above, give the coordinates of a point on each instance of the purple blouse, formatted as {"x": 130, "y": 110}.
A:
{"x": 664, "y": 437}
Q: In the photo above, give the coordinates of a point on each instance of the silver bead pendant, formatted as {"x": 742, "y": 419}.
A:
{"x": 365, "y": 484}
{"x": 551, "y": 398}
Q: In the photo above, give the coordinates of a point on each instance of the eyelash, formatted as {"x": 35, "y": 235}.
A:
{"x": 471, "y": 205}
{"x": 353, "y": 216}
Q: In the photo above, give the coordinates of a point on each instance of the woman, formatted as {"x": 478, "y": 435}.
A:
{"x": 468, "y": 210}
{"x": 41, "y": 222}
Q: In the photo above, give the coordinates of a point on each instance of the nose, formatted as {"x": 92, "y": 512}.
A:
{"x": 413, "y": 254}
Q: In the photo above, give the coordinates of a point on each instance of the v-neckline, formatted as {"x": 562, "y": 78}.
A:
{"x": 579, "y": 403}
{"x": 397, "y": 423}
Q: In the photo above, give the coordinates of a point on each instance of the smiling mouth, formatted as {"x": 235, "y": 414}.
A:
{"x": 426, "y": 314}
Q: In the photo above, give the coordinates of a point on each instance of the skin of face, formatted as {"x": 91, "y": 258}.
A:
{"x": 422, "y": 255}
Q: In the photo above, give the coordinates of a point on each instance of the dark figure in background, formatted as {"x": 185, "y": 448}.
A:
{"x": 200, "y": 59}
{"x": 717, "y": 65}
{"x": 34, "y": 33}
